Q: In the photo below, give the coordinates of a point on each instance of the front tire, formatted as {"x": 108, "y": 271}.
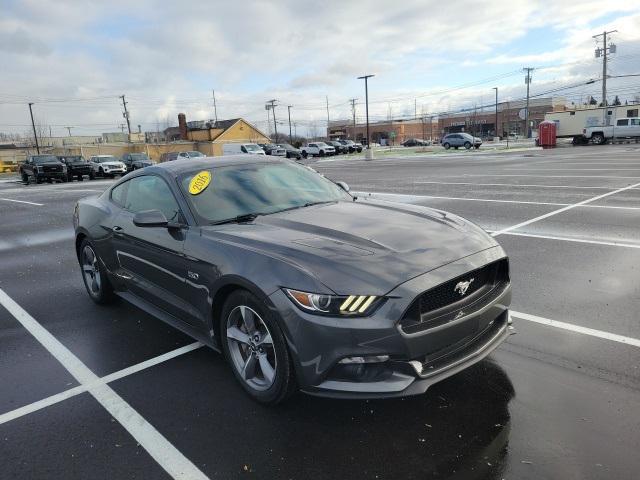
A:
{"x": 25, "y": 178}
{"x": 255, "y": 347}
{"x": 305, "y": 154}
{"x": 598, "y": 139}
{"x": 467, "y": 145}
{"x": 92, "y": 175}
{"x": 322, "y": 153}
{"x": 94, "y": 275}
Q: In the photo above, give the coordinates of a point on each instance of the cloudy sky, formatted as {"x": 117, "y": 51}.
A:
{"x": 73, "y": 58}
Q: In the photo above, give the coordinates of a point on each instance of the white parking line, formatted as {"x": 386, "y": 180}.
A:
{"x": 569, "y": 239}
{"x": 543, "y": 176}
{"x": 563, "y": 209}
{"x": 578, "y": 329}
{"x": 402, "y": 197}
{"x": 72, "y": 392}
{"x": 517, "y": 185}
{"x": 524, "y": 167}
{"x": 22, "y": 201}
{"x": 160, "y": 449}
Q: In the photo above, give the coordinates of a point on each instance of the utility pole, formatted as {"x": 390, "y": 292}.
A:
{"x": 431, "y": 127}
{"x": 289, "y": 110}
{"x": 353, "y": 112}
{"x": 126, "y": 114}
{"x": 496, "y": 127}
{"x": 366, "y": 95}
{"x": 215, "y": 109}
{"x": 415, "y": 108}
{"x": 35, "y": 135}
{"x": 271, "y": 104}
{"x": 422, "y": 118}
{"x": 528, "y": 82}
{"x": 604, "y": 51}
{"x": 69, "y": 129}
{"x": 327, "y": 97}
{"x": 122, "y": 127}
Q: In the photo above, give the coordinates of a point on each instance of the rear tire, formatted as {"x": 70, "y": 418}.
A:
{"x": 467, "y": 145}
{"x": 80, "y": 178}
{"x": 446, "y": 146}
{"x": 304, "y": 154}
{"x": 94, "y": 274}
{"x": 254, "y": 346}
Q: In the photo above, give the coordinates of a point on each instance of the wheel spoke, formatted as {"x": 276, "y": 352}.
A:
{"x": 266, "y": 340}
{"x": 87, "y": 269}
{"x": 249, "y": 368}
{"x": 267, "y": 370}
{"x": 238, "y": 335}
{"x": 89, "y": 255}
{"x": 248, "y": 319}
{"x": 94, "y": 284}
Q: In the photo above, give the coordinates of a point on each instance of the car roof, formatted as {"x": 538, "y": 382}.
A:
{"x": 177, "y": 168}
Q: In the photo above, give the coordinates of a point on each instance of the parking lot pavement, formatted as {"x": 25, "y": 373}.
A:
{"x": 558, "y": 400}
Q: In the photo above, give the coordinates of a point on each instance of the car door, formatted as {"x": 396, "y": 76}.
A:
{"x": 622, "y": 128}
{"x": 634, "y": 127}
{"x": 151, "y": 259}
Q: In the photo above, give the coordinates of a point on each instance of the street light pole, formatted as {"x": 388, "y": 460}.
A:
{"x": 289, "y": 109}
{"x": 496, "y": 129}
{"x": 35, "y": 135}
{"x": 366, "y": 96}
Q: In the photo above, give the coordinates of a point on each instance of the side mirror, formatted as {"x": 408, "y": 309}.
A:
{"x": 150, "y": 218}
{"x": 343, "y": 186}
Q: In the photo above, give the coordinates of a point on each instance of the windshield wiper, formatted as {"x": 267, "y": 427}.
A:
{"x": 245, "y": 217}
{"x": 308, "y": 204}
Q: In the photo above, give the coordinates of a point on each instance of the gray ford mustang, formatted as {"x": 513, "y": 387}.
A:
{"x": 301, "y": 284}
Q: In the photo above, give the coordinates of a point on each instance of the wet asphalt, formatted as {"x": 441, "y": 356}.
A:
{"x": 548, "y": 404}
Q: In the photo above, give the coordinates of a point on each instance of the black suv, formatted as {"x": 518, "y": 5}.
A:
{"x": 43, "y": 167}
{"x": 77, "y": 166}
{"x": 340, "y": 148}
{"x": 134, "y": 161}
{"x": 292, "y": 152}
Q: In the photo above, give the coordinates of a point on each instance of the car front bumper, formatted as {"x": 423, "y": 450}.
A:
{"x": 115, "y": 171}
{"x": 406, "y": 363}
{"x": 51, "y": 175}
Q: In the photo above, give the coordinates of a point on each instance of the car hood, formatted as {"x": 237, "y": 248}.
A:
{"x": 366, "y": 247}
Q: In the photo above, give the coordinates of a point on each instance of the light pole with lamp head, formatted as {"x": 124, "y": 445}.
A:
{"x": 366, "y": 95}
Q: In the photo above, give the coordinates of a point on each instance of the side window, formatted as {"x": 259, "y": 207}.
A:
{"x": 635, "y": 122}
{"x": 622, "y": 123}
{"x": 119, "y": 194}
{"x": 242, "y": 149}
{"x": 150, "y": 192}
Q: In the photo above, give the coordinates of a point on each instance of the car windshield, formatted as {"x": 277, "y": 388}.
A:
{"x": 260, "y": 188}
{"x": 252, "y": 147}
{"x": 139, "y": 156}
{"x": 286, "y": 146}
{"x": 321, "y": 144}
{"x": 37, "y": 159}
{"x": 108, "y": 158}
{"x": 195, "y": 154}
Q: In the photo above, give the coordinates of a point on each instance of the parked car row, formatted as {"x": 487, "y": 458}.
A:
{"x": 66, "y": 168}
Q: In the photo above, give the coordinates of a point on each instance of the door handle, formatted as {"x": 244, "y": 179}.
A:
{"x": 117, "y": 229}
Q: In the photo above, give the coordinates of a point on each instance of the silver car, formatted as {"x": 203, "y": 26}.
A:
{"x": 457, "y": 140}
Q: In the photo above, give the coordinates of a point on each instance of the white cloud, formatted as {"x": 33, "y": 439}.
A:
{"x": 166, "y": 55}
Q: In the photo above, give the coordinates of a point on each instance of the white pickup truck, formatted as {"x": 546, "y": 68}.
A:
{"x": 317, "y": 149}
{"x": 624, "y": 128}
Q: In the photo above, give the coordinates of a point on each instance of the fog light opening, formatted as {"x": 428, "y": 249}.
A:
{"x": 367, "y": 359}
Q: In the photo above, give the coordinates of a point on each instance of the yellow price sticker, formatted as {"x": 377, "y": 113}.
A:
{"x": 200, "y": 182}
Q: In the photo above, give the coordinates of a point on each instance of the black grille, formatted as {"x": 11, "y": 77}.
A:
{"x": 51, "y": 168}
{"x": 440, "y": 304}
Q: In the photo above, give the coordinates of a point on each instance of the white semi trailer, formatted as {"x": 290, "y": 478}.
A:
{"x": 571, "y": 123}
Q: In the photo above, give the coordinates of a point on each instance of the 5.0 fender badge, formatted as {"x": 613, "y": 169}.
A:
{"x": 199, "y": 182}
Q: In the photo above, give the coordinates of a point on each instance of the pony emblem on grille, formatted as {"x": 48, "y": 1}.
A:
{"x": 462, "y": 287}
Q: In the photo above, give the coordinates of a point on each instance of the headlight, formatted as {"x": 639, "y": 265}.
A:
{"x": 341, "y": 305}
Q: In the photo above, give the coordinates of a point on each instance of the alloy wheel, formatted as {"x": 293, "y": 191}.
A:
{"x": 90, "y": 270}
{"x": 251, "y": 347}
